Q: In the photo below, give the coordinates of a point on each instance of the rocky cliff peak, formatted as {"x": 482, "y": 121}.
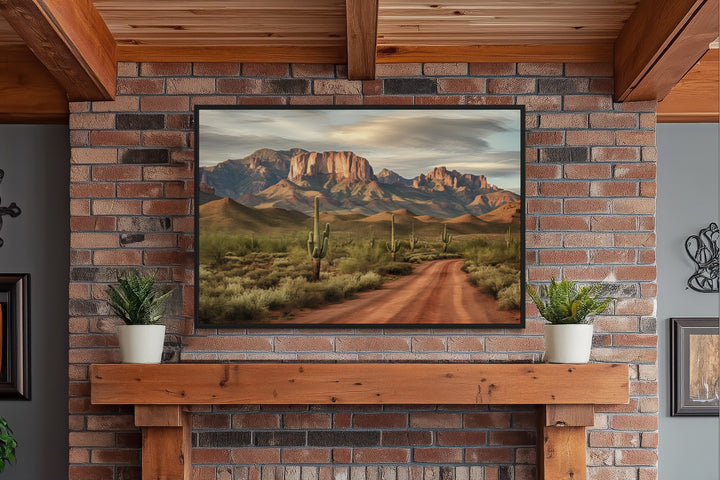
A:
{"x": 341, "y": 166}
{"x": 441, "y": 177}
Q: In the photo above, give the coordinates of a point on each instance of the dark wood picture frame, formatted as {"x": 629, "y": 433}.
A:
{"x": 15, "y": 341}
{"x": 702, "y": 352}
{"x": 238, "y": 206}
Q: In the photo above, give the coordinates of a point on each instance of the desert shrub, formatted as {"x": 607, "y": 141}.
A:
{"x": 395, "y": 268}
{"x": 509, "y": 298}
{"x": 490, "y": 279}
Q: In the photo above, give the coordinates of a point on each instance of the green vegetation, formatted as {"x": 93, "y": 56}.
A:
{"x": 445, "y": 238}
{"x": 413, "y": 238}
{"x": 136, "y": 301}
{"x": 7, "y": 444}
{"x": 568, "y": 303}
{"x": 317, "y": 245}
{"x": 392, "y": 246}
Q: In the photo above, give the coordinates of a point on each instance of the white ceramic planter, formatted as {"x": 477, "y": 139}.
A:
{"x": 568, "y": 343}
{"x": 141, "y": 343}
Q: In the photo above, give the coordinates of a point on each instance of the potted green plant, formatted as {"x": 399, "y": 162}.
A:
{"x": 7, "y": 444}
{"x": 140, "y": 305}
{"x": 568, "y": 336}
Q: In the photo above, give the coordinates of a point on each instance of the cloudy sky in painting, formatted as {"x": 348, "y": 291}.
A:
{"x": 408, "y": 142}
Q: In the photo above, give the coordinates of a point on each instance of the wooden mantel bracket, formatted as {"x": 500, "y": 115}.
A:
{"x": 565, "y": 395}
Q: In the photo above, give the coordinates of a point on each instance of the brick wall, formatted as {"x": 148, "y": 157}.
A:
{"x": 590, "y": 216}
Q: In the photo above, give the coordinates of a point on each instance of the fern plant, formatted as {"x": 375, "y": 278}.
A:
{"x": 136, "y": 300}
{"x": 567, "y": 303}
{"x": 7, "y": 444}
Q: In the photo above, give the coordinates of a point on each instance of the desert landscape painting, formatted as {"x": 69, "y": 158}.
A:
{"x": 359, "y": 216}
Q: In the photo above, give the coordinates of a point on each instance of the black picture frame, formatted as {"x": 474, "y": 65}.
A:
{"x": 15, "y": 342}
{"x": 690, "y": 383}
{"x": 443, "y": 321}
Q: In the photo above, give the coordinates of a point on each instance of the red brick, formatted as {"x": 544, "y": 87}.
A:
{"x": 512, "y": 437}
{"x": 613, "y": 189}
{"x": 427, "y": 344}
{"x": 613, "y": 120}
{"x": 492, "y": 69}
{"x": 613, "y": 256}
{"x": 639, "y": 106}
{"x": 636, "y": 272}
{"x": 164, "y": 69}
{"x": 265, "y": 69}
{"x": 445, "y": 69}
{"x": 255, "y": 420}
{"x": 310, "y": 70}
{"x": 635, "y": 457}
{"x": 564, "y": 189}
{"x": 435, "y": 420}
{"x": 116, "y": 207}
{"x": 646, "y": 256}
{"x": 540, "y": 69}
{"x": 543, "y": 240}
{"x": 615, "y": 154}
{"x": 94, "y": 240}
{"x": 164, "y": 138}
{"x": 644, "y": 170}
{"x": 228, "y": 343}
{"x": 545, "y": 137}
{"x": 487, "y": 420}
{"x": 250, "y": 456}
{"x": 165, "y": 103}
{"x": 371, "y": 344}
{"x": 313, "y": 100}
{"x": 648, "y": 189}
{"x": 438, "y": 455}
{"x": 564, "y": 222}
{"x": 380, "y": 455}
{"x": 634, "y": 205}
{"x": 635, "y": 306}
{"x": 635, "y": 137}
{"x": 129, "y": 86}
{"x": 337, "y": 87}
{"x": 635, "y": 340}
{"x": 586, "y": 205}
{"x": 91, "y": 121}
{"x": 380, "y": 420}
{"x": 117, "y": 257}
{"x": 587, "y": 171}
{"x": 514, "y": 85}
{"x": 461, "y": 85}
{"x": 465, "y": 344}
{"x": 307, "y": 420}
{"x": 539, "y": 171}
{"x": 216, "y": 69}
{"x": 141, "y": 189}
{"x": 406, "y": 438}
{"x": 587, "y": 102}
{"x": 613, "y": 223}
{"x": 166, "y": 207}
{"x": 306, "y": 455}
{"x": 587, "y": 239}
{"x": 170, "y": 172}
{"x": 589, "y": 69}
{"x": 540, "y": 103}
{"x": 648, "y": 439}
{"x": 488, "y": 455}
{"x": 586, "y": 273}
{"x": 513, "y": 344}
{"x": 115, "y": 456}
{"x": 167, "y": 257}
{"x": 247, "y": 86}
{"x": 543, "y": 205}
{"x": 564, "y": 120}
{"x": 92, "y": 439}
{"x": 558, "y": 257}
{"x": 490, "y": 100}
{"x": 602, "y": 85}
{"x": 303, "y": 344}
{"x": 92, "y": 156}
{"x": 614, "y": 439}
{"x": 85, "y": 472}
{"x": 92, "y": 190}
{"x": 261, "y": 100}
{"x": 443, "y": 100}
{"x": 122, "y": 103}
{"x": 398, "y": 70}
{"x": 590, "y": 137}
{"x": 646, "y": 240}
{"x": 114, "y": 138}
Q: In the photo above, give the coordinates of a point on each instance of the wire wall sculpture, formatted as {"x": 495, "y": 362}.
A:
{"x": 11, "y": 210}
{"x": 703, "y": 250}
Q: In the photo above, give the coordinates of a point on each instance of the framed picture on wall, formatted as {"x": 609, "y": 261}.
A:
{"x": 694, "y": 366}
{"x": 359, "y": 216}
{"x": 14, "y": 339}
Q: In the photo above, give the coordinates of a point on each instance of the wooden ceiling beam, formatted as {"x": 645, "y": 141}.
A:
{"x": 266, "y": 54}
{"x": 362, "y": 27}
{"x": 659, "y": 44}
{"x": 71, "y": 39}
{"x": 28, "y": 93}
{"x": 591, "y": 53}
{"x": 695, "y": 99}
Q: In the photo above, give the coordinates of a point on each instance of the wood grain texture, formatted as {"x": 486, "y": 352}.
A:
{"x": 660, "y": 43}
{"x": 71, "y": 40}
{"x": 561, "y": 453}
{"x": 28, "y": 93}
{"x": 362, "y": 24}
{"x": 159, "y": 415}
{"x": 381, "y": 383}
{"x": 264, "y": 54}
{"x": 599, "y": 53}
{"x": 167, "y": 452}
{"x": 569, "y": 415}
{"x": 695, "y": 98}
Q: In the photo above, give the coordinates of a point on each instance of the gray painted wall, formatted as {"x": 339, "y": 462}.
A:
{"x": 687, "y": 201}
{"x": 36, "y": 161}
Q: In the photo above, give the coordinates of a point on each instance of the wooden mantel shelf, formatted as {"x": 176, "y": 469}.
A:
{"x": 565, "y": 394}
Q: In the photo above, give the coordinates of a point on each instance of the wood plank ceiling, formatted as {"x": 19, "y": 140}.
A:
{"x": 384, "y": 31}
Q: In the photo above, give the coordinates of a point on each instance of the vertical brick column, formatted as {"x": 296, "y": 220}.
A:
{"x": 590, "y": 184}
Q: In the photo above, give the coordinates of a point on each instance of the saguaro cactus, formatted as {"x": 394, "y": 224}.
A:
{"x": 317, "y": 242}
{"x": 392, "y": 247}
{"x": 445, "y": 237}
{"x": 413, "y": 238}
{"x": 508, "y": 238}
{"x": 371, "y": 242}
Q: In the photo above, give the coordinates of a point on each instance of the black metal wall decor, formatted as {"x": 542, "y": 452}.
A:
{"x": 12, "y": 210}
{"x": 704, "y": 250}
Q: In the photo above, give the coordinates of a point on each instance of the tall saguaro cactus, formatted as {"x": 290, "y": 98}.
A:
{"x": 445, "y": 237}
{"x": 392, "y": 247}
{"x": 317, "y": 242}
{"x": 413, "y": 238}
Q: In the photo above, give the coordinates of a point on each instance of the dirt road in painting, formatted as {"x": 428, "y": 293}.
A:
{"x": 437, "y": 292}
